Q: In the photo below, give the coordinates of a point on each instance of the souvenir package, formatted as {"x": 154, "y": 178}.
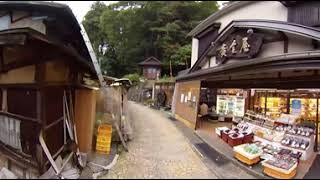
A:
{"x": 248, "y": 153}
{"x": 295, "y": 142}
{"x": 270, "y": 149}
{"x": 296, "y": 130}
{"x": 243, "y": 126}
{"x": 252, "y": 149}
{"x": 285, "y": 161}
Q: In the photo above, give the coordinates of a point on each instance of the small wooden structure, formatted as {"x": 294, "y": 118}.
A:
{"x": 44, "y": 65}
{"x": 151, "y": 68}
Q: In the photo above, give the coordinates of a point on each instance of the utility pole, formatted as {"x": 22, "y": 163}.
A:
{"x": 170, "y": 70}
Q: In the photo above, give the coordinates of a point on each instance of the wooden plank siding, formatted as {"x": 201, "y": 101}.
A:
{"x": 183, "y": 111}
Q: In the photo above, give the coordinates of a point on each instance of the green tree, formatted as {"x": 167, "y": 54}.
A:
{"x": 134, "y": 78}
{"x": 135, "y": 30}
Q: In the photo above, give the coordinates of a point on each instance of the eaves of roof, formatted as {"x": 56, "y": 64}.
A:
{"x": 210, "y": 20}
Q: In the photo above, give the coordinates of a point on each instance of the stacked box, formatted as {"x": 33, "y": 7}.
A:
{"x": 103, "y": 144}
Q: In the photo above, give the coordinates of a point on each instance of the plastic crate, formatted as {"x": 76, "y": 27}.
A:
{"x": 103, "y": 142}
{"x": 105, "y": 129}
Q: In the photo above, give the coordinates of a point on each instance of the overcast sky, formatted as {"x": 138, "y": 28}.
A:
{"x": 80, "y": 8}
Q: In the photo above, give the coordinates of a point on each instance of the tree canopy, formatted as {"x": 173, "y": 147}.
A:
{"x": 135, "y": 30}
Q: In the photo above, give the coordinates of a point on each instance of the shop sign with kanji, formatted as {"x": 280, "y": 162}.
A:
{"x": 239, "y": 45}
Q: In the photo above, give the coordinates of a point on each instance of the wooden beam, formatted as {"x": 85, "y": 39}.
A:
{"x": 13, "y": 39}
{"x": 1, "y": 58}
{"x": 31, "y": 61}
{"x": 20, "y": 18}
{"x": 17, "y": 157}
{"x": 53, "y": 124}
{"x": 20, "y": 117}
{"x": 317, "y": 126}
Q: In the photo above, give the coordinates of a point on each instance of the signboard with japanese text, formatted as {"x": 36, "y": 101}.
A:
{"x": 242, "y": 44}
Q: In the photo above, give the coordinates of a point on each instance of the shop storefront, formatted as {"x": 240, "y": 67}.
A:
{"x": 259, "y": 84}
{"x": 266, "y": 123}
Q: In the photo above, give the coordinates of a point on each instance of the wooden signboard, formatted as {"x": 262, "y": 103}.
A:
{"x": 240, "y": 45}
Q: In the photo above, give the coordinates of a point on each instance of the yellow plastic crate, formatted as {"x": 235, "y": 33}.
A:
{"x": 103, "y": 138}
{"x": 103, "y": 148}
{"x": 104, "y": 135}
{"x": 101, "y": 142}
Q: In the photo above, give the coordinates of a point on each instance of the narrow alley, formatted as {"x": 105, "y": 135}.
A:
{"x": 159, "y": 150}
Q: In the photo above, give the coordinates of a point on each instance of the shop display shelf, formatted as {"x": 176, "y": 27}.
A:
{"x": 245, "y": 157}
{"x": 305, "y": 153}
{"x": 279, "y": 175}
{"x": 310, "y": 138}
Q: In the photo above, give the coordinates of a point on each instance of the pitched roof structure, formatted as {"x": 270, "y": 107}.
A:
{"x": 273, "y": 25}
{"x": 151, "y": 61}
{"x": 63, "y": 24}
{"x": 211, "y": 19}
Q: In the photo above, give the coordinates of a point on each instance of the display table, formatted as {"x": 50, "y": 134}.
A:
{"x": 306, "y": 154}
{"x": 245, "y": 157}
{"x": 279, "y": 173}
{"x": 219, "y": 130}
{"x": 235, "y": 141}
{"x": 260, "y": 136}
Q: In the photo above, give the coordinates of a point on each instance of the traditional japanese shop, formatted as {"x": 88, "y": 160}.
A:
{"x": 254, "y": 94}
{"x": 265, "y": 122}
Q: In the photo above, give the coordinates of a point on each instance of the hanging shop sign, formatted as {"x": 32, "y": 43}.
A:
{"x": 242, "y": 44}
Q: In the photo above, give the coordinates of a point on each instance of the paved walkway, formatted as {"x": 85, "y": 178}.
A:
{"x": 158, "y": 150}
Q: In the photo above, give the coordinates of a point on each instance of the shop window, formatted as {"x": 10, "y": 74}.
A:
{"x": 22, "y": 102}
{"x": 308, "y": 108}
{"x": 276, "y": 105}
{"x": 272, "y": 104}
{"x": 230, "y": 102}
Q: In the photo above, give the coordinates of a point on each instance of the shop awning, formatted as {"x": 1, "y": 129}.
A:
{"x": 295, "y": 61}
{"x": 300, "y": 30}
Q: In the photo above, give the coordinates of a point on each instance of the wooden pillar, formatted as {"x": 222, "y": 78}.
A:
{"x": 40, "y": 153}
{"x": 85, "y": 111}
{"x": 288, "y": 102}
{"x": 247, "y": 100}
{"x": 265, "y": 102}
{"x": 317, "y": 126}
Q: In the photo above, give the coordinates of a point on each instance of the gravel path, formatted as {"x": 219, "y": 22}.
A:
{"x": 158, "y": 150}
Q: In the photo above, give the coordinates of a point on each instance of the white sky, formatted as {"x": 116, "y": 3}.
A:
{"x": 80, "y": 8}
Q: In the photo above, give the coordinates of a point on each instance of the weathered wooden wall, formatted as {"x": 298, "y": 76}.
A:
{"x": 185, "y": 111}
{"x": 85, "y": 111}
{"x": 20, "y": 75}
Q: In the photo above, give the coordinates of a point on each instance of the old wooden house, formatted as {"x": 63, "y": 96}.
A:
{"x": 44, "y": 59}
